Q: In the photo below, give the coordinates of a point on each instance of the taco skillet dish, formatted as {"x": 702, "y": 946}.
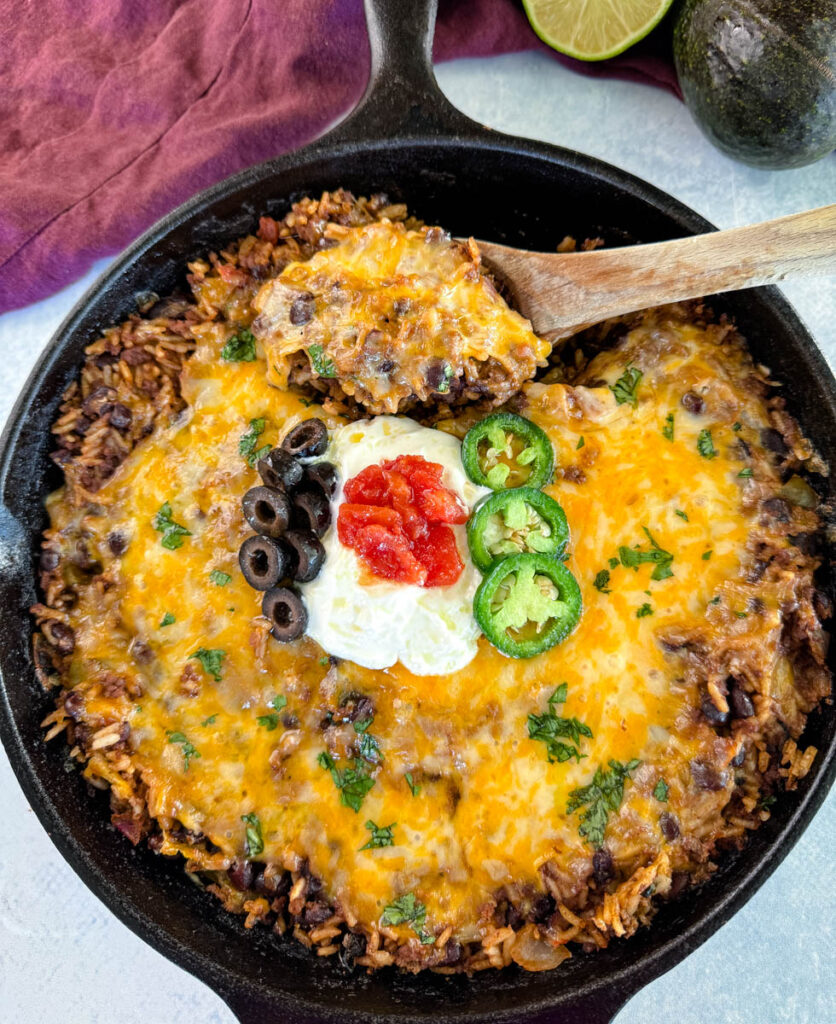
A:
{"x": 422, "y": 643}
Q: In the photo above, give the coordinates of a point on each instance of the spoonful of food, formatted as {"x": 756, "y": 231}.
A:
{"x": 562, "y": 292}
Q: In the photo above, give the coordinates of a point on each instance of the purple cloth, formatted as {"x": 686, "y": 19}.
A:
{"x": 114, "y": 111}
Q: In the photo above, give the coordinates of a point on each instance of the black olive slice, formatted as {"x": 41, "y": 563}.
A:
{"x": 286, "y": 612}
{"x": 307, "y": 554}
{"x": 263, "y": 562}
{"x": 311, "y": 510}
{"x": 307, "y": 439}
{"x": 324, "y": 476}
{"x": 267, "y": 510}
{"x": 280, "y": 470}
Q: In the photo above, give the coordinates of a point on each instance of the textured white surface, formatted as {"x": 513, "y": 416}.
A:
{"x": 62, "y": 954}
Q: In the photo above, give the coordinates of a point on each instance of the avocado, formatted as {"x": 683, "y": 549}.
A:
{"x": 759, "y": 77}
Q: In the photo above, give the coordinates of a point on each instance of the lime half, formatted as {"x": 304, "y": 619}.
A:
{"x": 593, "y": 29}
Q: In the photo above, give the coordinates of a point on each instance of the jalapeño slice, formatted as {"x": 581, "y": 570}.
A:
{"x": 505, "y": 450}
{"x": 526, "y": 604}
{"x": 513, "y": 522}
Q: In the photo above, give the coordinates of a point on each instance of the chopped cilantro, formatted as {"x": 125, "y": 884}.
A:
{"x": 248, "y": 441}
{"x": 413, "y": 788}
{"x": 614, "y": 563}
{"x": 660, "y": 791}
{"x": 381, "y": 836}
{"x": 190, "y": 752}
{"x": 667, "y": 430}
{"x": 369, "y": 749}
{"x": 705, "y": 445}
{"x": 220, "y": 579}
{"x": 240, "y": 348}
{"x": 681, "y": 514}
{"x": 325, "y": 661}
{"x": 625, "y": 387}
{"x": 353, "y": 783}
{"x": 632, "y": 558}
{"x": 707, "y": 554}
{"x": 407, "y": 910}
{"x": 601, "y": 797}
{"x": 209, "y": 721}
{"x": 601, "y": 581}
{"x": 278, "y": 702}
{"x": 745, "y": 472}
{"x": 167, "y": 620}
{"x": 211, "y": 660}
{"x": 580, "y": 443}
{"x": 268, "y": 722}
{"x": 644, "y": 611}
{"x": 553, "y": 730}
{"x": 715, "y": 600}
{"x": 253, "y": 839}
{"x": 742, "y": 615}
{"x": 362, "y": 724}
{"x": 737, "y": 426}
{"x": 767, "y": 801}
{"x": 172, "y": 533}
{"x": 322, "y": 365}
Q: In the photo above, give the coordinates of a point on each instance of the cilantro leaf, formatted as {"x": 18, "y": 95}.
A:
{"x": 447, "y": 376}
{"x": 601, "y": 581}
{"x": 321, "y": 363}
{"x": 613, "y": 562}
{"x": 190, "y": 752}
{"x": 253, "y": 838}
{"x": 747, "y": 472}
{"x": 644, "y": 611}
{"x": 413, "y": 787}
{"x": 580, "y": 443}
{"x": 705, "y": 445}
{"x": 554, "y": 730}
{"x": 625, "y": 387}
{"x": 172, "y": 533}
{"x": 601, "y": 797}
{"x": 269, "y": 722}
{"x": 353, "y": 783}
{"x": 167, "y": 620}
{"x": 220, "y": 579}
{"x": 278, "y": 702}
{"x": 667, "y": 430}
{"x": 381, "y": 836}
{"x": 660, "y": 791}
{"x": 706, "y": 555}
{"x": 240, "y": 348}
{"x": 369, "y": 748}
{"x": 681, "y": 514}
{"x": 248, "y": 441}
{"x": 211, "y": 660}
{"x": 209, "y": 721}
{"x": 407, "y": 909}
{"x": 632, "y": 558}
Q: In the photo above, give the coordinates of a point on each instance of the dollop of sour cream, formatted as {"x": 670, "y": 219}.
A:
{"x": 376, "y": 623}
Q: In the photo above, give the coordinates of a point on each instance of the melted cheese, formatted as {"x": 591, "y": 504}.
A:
{"x": 490, "y": 808}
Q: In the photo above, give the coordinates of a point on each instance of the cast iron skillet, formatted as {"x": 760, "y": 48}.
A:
{"x": 405, "y": 139}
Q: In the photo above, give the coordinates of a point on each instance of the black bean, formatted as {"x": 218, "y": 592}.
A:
{"x": 118, "y": 543}
{"x": 264, "y": 562}
{"x": 738, "y": 758}
{"x": 315, "y": 913}
{"x": 669, "y": 826}
{"x": 302, "y": 309}
{"x": 267, "y": 510}
{"x": 98, "y": 401}
{"x": 453, "y": 953}
{"x": 774, "y": 441}
{"x": 50, "y": 560}
{"x": 273, "y": 885}
{"x": 286, "y": 612}
{"x": 706, "y": 776}
{"x": 712, "y": 712}
{"x": 324, "y": 476}
{"x": 741, "y": 703}
{"x": 692, "y": 402}
{"x": 242, "y": 874}
{"x": 401, "y": 307}
{"x": 386, "y": 366}
{"x": 542, "y": 908}
{"x": 307, "y": 439}
{"x": 121, "y": 416}
{"x": 280, "y": 470}
{"x": 436, "y": 374}
{"x": 602, "y": 866}
{"x": 307, "y": 554}
{"x": 136, "y": 356}
{"x": 60, "y": 635}
{"x": 807, "y": 543}
{"x": 353, "y": 946}
{"x": 778, "y": 509}
{"x": 311, "y": 511}
{"x": 74, "y": 705}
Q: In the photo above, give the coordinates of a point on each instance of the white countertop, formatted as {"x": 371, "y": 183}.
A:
{"x": 65, "y": 960}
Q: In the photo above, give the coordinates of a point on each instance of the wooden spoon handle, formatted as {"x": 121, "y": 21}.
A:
{"x": 563, "y": 290}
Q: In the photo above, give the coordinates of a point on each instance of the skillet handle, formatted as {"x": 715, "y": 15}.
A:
{"x": 402, "y": 97}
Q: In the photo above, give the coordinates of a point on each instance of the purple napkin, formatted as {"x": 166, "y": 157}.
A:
{"x": 112, "y": 112}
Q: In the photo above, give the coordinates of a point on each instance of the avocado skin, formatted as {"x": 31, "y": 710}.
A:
{"x": 759, "y": 77}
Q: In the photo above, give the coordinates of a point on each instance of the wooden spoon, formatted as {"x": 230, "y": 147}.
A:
{"x": 563, "y": 292}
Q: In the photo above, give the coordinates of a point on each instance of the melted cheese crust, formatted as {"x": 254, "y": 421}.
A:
{"x": 491, "y": 809}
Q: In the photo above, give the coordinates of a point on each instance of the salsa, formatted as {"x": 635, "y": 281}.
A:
{"x": 397, "y": 516}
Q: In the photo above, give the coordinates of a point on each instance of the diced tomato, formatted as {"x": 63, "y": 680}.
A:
{"x": 439, "y": 554}
{"x": 395, "y": 518}
{"x": 389, "y": 555}
{"x": 354, "y": 518}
